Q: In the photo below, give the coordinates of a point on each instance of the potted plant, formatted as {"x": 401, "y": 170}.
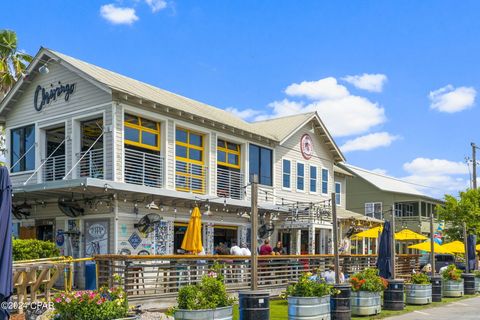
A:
{"x": 452, "y": 282}
{"x": 309, "y": 297}
{"x": 419, "y": 289}
{"x": 366, "y": 288}
{"x": 205, "y": 300}
{"x": 477, "y": 280}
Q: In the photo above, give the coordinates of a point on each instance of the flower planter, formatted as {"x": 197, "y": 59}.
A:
{"x": 477, "y": 284}
{"x": 311, "y": 308}
{"x": 365, "y": 303}
{"x": 418, "y": 293}
{"x": 452, "y": 288}
{"x": 225, "y": 313}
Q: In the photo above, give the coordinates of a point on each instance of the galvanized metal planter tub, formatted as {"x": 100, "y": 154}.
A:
{"x": 311, "y": 308}
{"x": 477, "y": 284}
{"x": 418, "y": 293}
{"x": 452, "y": 288}
{"x": 365, "y": 303}
{"x": 225, "y": 313}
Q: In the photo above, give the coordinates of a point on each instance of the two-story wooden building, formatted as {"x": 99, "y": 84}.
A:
{"x": 92, "y": 152}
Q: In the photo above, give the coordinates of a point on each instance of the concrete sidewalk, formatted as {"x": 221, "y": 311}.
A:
{"x": 468, "y": 309}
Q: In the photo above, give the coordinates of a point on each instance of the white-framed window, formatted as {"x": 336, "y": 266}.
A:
{"x": 325, "y": 181}
{"x": 300, "y": 176}
{"x": 313, "y": 179}
{"x": 286, "y": 174}
{"x": 338, "y": 193}
{"x": 374, "y": 210}
{"x": 398, "y": 210}
{"x": 409, "y": 210}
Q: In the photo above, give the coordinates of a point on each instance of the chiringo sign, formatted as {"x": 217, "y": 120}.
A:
{"x": 44, "y": 96}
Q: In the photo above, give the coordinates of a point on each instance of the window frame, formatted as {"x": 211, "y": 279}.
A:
{"x": 187, "y": 160}
{"x": 141, "y": 129}
{"x": 22, "y": 164}
{"x": 260, "y": 164}
{"x": 327, "y": 181}
{"x": 310, "y": 179}
{"x": 297, "y": 176}
{"x": 227, "y": 151}
{"x": 190, "y": 146}
{"x": 289, "y": 188}
{"x": 373, "y": 207}
{"x": 339, "y": 194}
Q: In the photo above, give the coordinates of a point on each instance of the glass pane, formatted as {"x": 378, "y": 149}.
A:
{"x": 232, "y": 146}
{"x": 324, "y": 174}
{"x": 131, "y": 119}
{"x": 286, "y": 166}
{"x": 313, "y": 172}
{"x": 195, "y": 139}
{"x": 300, "y": 183}
{"x": 265, "y": 167}
{"x": 181, "y": 151}
{"x": 313, "y": 185}
{"x": 29, "y": 142}
{"x": 254, "y": 161}
{"x": 16, "y": 149}
{"x": 149, "y": 124}
{"x": 150, "y": 138}
{"x": 300, "y": 170}
{"x": 286, "y": 181}
{"x": 181, "y": 135}
{"x": 195, "y": 154}
{"x": 221, "y": 156}
{"x": 233, "y": 159}
{"x": 337, "y": 199}
{"x": 132, "y": 134}
{"x": 221, "y": 143}
{"x": 324, "y": 187}
{"x": 337, "y": 187}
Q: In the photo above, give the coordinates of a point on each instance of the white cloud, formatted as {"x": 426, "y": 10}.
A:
{"x": 156, "y": 5}
{"x": 366, "y": 81}
{"x": 380, "y": 171}
{"x": 246, "y": 114}
{"x": 369, "y": 142}
{"x": 449, "y": 99}
{"x": 425, "y": 166}
{"x": 118, "y": 15}
{"x": 326, "y": 88}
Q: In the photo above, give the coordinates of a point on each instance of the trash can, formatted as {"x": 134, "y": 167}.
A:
{"x": 469, "y": 283}
{"x": 340, "y": 303}
{"x": 90, "y": 276}
{"x": 393, "y": 296}
{"x": 254, "y": 305}
{"x": 436, "y": 288}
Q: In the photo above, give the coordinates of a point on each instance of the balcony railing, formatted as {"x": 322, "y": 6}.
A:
{"x": 143, "y": 168}
{"x": 92, "y": 164}
{"x": 54, "y": 168}
{"x": 230, "y": 184}
{"x": 190, "y": 177}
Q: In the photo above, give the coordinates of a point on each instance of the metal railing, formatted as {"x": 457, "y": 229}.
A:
{"x": 143, "y": 168}
{"x": 91, "y": 164}
{"x": 190, "y": 177}
{"x": 230, "y": 184}
{"x": 54, "y": 168}
{"x": 161, "y": 276}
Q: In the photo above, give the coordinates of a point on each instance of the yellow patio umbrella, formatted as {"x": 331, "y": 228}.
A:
{"x": 370, "y": 233}
{"x": 455, "y": 247}
{"x": 192, "y": 240}
{"x": 407, "y": 234}
{"x": 425, "y": 246}
{"x": 478, "y": 247}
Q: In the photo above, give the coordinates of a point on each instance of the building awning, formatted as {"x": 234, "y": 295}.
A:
{"x": 344, "y": 214}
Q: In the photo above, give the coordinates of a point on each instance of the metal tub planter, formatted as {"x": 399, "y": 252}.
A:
{"x": 365, "y": 303}
{"x": 477, "y": 284}
{"x": 225, "y": 313}
{"x": 452, "y": 288}
{"x": 418, "y": 293}
{"x": 311, "y": 308}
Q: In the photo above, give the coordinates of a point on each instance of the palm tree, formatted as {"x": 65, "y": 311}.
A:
{"x": 12, "y": 62}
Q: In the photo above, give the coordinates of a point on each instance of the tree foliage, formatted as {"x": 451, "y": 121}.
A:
{"x": 456, "y": 211}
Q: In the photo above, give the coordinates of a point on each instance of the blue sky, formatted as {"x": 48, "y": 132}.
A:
{"x": 415, "y": 110}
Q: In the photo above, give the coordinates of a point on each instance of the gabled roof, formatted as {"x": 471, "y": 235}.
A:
{"x": 386, "y": 183}
{"x": 276, "y": 130}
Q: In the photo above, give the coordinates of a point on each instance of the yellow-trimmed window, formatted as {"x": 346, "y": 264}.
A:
{"x": 228, "y": 154}
{"x": 141, "y": 132}
{"x": 189, "y": 156}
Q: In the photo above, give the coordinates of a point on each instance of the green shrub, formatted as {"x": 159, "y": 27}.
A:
{"x": 419, "y": 278}
{"x": 306, "y": 286}
{"x": 476, "y": 273}
{"x": 27, "y": 249}
{"x": 368, "y": 280}
{"x": 452, "y": 273}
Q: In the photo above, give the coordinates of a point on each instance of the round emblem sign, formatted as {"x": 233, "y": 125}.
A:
{"x": 306, "y": 146}
{"x": 97, "y": 230}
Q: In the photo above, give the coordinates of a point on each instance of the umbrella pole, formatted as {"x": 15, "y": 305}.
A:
{"x": 253, "y": 234}
{"x": 394, "y": 274}
{"x": 335, "y": 240}
{"x": 432, "y": 246}
{"x": 467, "y": 267}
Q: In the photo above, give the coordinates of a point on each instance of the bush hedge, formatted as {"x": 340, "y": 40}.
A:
{"x": 27, "y": 249}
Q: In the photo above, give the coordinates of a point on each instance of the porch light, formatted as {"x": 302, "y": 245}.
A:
{"x": 152, "y": 206}
{"x": 208, "y": 212}
{"x": 44, "y": 69}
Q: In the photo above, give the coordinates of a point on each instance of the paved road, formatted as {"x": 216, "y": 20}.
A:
{"x": 468, "y": 309}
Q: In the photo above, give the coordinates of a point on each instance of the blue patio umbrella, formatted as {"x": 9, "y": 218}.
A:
{"x": 6, "y": 284}
{"x": 472, "y": 252}
{"x": 384, "y": 261}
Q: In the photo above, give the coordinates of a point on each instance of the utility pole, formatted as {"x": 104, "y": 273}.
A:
{"x": 394, "y": 274}
{"x": 335, "y": 240}
{"x": 474, "y": 165}
{"x": 432, "y": 245}
{"x": 467, "y": 267}
{"x": 254, "y": 232}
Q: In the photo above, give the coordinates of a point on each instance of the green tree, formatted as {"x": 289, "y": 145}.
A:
{"x": 456, "y": 211}
{"x": 12, "y": 62}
